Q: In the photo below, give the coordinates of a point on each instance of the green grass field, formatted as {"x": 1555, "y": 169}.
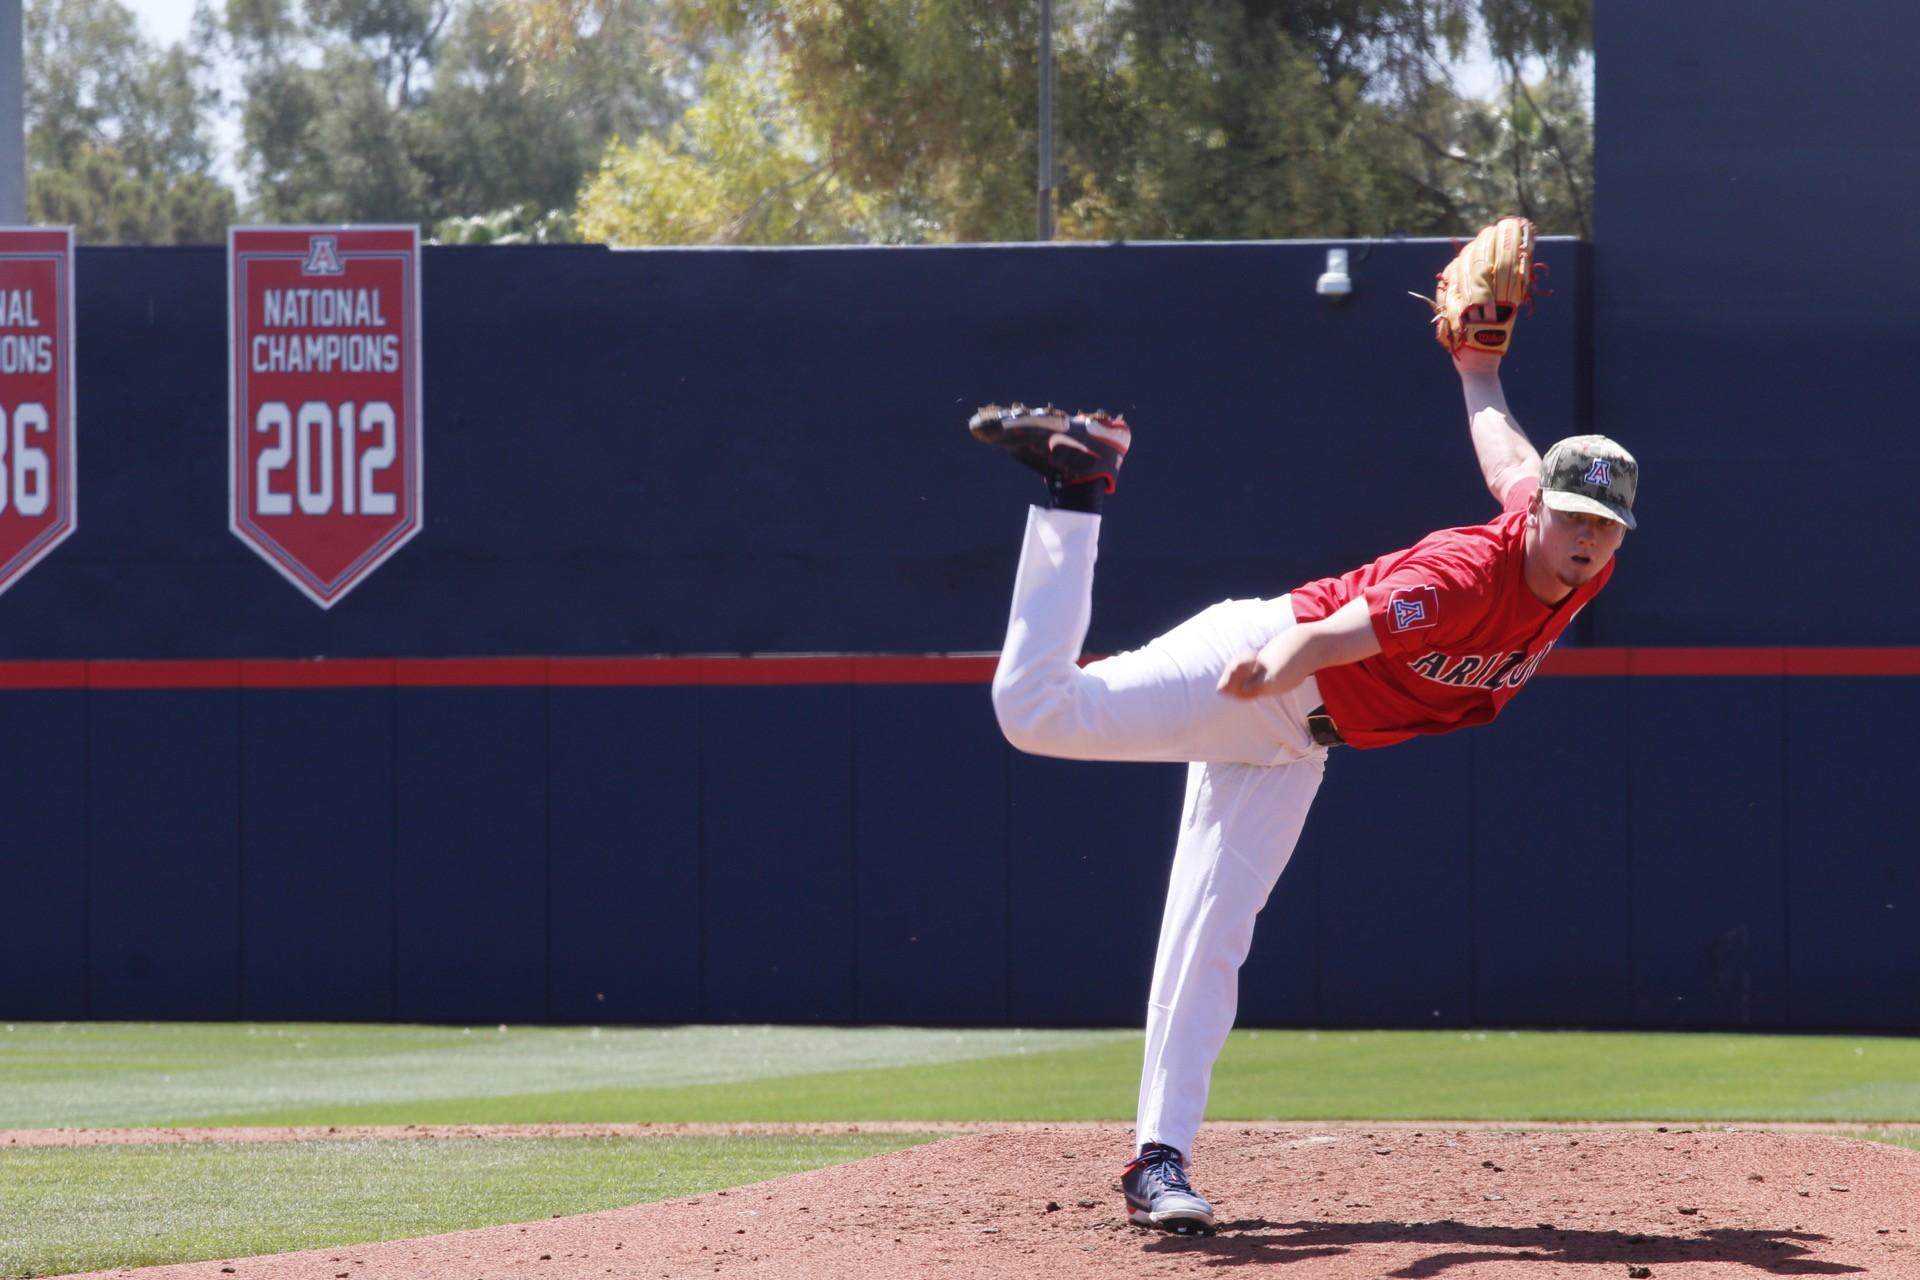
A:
{"x": 90, "y": 1208}
{"x": 121, "y": 1205}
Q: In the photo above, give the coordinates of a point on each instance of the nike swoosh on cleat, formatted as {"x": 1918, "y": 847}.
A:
{"x": 1067, "y": 440}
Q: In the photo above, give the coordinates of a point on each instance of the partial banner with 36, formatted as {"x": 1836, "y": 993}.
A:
{"x": 325, "y": 440}
{"x": 38, "y": 499}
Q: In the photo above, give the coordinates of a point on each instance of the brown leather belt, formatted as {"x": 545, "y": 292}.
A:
{"x": 1322, "y": 729}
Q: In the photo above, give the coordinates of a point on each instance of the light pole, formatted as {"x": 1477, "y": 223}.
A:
{"x": 13, "y": 146}
{"x": 1046, "y": 119}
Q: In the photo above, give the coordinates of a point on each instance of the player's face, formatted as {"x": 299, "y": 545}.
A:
{"x": 1574, "y": 546}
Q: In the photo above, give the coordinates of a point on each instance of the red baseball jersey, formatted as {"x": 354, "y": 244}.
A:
{"x": 1459, "y": 630}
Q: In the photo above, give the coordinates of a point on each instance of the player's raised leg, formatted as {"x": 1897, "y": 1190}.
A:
{"x": 1159, "y": 702}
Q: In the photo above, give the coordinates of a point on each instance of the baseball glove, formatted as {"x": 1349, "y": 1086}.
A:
{"x": 1481, "y": 291}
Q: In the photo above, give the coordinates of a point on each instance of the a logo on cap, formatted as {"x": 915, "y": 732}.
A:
{"x": 1600, "y": 473}
{"x": 1413, "y": 608}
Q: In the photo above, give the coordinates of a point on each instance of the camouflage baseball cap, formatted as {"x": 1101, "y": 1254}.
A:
{"x": 1590, "y": 474}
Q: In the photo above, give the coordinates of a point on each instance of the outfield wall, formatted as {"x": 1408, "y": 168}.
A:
{"x": 739, "y": 452}
{"x": 1750, "y": 322}
{"x": 849, "y": 841}
{"x": 764, "y": 451}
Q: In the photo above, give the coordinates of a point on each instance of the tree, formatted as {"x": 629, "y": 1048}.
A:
{"x": 117, "y": 143}
{"x": 1176, "y": 118}
{"x": 739, "y": 168}
{"x": 1549, "y": 150}
{"x": 417, "y": 111}
{"x": 486, "y": 140}
{"x": 106, "y": 201}
{"x": 327, "y": 92}
{"x": 328, "y": 146}
{"x": 1254, "y": 125}
{"x": 1534, "y": 147}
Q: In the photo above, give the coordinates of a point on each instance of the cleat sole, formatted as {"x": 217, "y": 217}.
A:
{"x": 1176, "y": 1224}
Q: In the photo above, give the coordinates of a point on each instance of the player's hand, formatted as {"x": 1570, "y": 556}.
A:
{"x": 1249, "y": 676}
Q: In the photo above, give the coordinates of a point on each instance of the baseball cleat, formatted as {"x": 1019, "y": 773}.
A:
{"x": 1159, "y": 1195}
{"x": 1078, "y": 448}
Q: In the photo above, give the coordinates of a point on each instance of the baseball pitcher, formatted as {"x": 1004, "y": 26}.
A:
{"x": 1254, "y": 694}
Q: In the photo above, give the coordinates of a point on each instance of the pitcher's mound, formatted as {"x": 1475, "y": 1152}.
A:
{"x": 1346, "y": 1202}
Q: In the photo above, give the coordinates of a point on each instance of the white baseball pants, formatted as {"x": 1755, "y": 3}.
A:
{"x": 1253, "y": 771}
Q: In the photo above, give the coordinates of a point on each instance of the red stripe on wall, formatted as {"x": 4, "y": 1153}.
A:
{"x": 1730, "y": 661}
{"x": 1706, "y": 662}
{"x": 886, "y": 669}
{"x": 1585, "y": 662}
{"x": 604, "y": 672}
{"x": 317, "y": 673}
{"x": 763, "y": 671}
{"x": 163, "y": 675}
{"x": 889, "y": 669}
{"x": 440, "y": 673}
{"x": 1853, "y": 662}
{"x": 43, "y": 675}
{"x": 966, "y": 669}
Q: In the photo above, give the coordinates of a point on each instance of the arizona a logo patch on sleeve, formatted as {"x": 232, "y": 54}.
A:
{"x": 1413, "y": 608}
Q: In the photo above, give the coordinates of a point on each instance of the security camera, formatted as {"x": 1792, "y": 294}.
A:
{"x": 1335, "y": 284}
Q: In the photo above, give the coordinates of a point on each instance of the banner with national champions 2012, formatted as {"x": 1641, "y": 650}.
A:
{"x": 325, "y": 465}
{"x": 38, "y": 492}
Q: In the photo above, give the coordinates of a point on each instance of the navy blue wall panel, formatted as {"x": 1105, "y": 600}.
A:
{"x": 1392, "y": 830}
{"x": 1091, "y": 848}
{"x": 1710, "y": 904}
{"x": 317, "y": 906}
{"x": 624, "y": 848}
{"x": 778, "y": 905}
{"x": 1664, "y": 852}
{"x": 1854, "y": 880}
{"x": 43, "y": 854}
{"x": 163, "y": 854}
{"x": 150, "y": 328}
{"x": 931, "y": 851}
{"x": 572, "y": 509}
{"x": 1686, "y": 96}
{"x": 752, "y": 838}
{"x": 470, "y": 866}
{"x": 1552, "y": 858}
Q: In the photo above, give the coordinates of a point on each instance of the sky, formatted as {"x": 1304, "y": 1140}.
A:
{"x": 165, "y": 21}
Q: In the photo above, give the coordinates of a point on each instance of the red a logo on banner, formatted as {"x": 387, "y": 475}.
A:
{"x": 37, "y": 491}
{"x": 324, "y": 453}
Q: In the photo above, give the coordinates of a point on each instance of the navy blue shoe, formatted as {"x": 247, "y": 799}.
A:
{"x": 1068, "y": 449}
{"x": 1159, "y": 1195}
